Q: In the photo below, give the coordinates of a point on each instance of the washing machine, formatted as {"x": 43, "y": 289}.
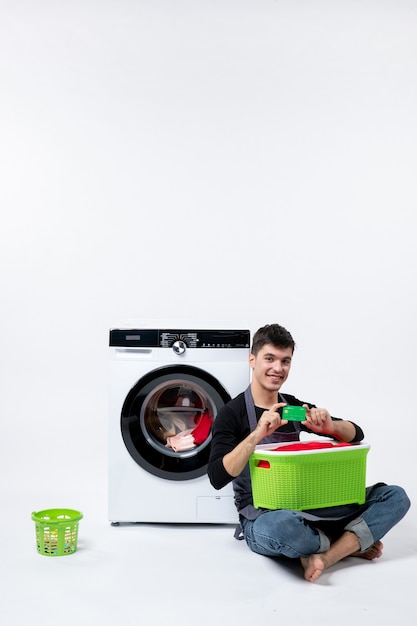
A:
{"x": 166, "y": 385}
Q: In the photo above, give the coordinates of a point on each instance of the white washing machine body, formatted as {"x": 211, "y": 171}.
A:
{"x": 165, "y": 389}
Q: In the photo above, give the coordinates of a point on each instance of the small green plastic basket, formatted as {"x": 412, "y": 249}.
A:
{"x": 310, "y": 479}
{"x": 56, "y": 531}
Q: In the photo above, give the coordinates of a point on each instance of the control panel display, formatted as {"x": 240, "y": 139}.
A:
{"x": 148, "y": 338}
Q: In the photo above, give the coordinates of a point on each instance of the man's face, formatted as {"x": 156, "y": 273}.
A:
{"x": 271, "y": 366}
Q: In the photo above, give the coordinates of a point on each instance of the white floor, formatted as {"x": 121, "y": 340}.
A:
{"x": 156, "y": 574}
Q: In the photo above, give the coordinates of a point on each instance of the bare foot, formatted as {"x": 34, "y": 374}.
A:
{"x": 314, "y": 566}
{"x": 374, "y": 552}
{"x": 347, "y": 545}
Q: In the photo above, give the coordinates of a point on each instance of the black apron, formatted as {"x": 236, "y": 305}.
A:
{"x": 242, "y": 482}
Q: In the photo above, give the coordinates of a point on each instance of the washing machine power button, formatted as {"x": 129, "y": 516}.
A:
{"x": 179, "y": 347}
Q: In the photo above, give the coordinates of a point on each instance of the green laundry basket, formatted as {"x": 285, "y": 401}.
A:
{"x": 56, "y": 531}
{"x": 308, "y": 479}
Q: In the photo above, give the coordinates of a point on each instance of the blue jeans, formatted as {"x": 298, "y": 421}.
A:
{"x": 288, "y": 533}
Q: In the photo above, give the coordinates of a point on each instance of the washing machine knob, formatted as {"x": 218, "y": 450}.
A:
{"x": 179, "y": 347}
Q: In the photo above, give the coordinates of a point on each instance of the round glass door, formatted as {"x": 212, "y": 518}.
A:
{"x": 167, "y": 419}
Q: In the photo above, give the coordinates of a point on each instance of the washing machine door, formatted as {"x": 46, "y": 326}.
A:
{"x": 167, "y": 419}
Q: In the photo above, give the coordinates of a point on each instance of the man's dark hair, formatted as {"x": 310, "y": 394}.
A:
{"x": 274, "y": 334}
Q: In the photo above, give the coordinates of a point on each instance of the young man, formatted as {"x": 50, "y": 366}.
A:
{"x": 319, "y": 538}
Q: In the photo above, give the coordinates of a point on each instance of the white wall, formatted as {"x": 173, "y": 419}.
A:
{"x": 226, "y": 159}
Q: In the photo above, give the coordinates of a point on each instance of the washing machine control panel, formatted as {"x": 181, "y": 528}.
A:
{"x": 179, "y": 340}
